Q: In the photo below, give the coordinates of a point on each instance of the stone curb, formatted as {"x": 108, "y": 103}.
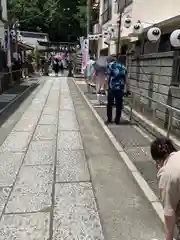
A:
{"x": 152, "y": 198}
{"x": 19, "y": 98}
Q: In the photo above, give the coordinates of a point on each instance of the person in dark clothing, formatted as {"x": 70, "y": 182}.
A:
{"x": 61, "y": 66}
{"x": 116, "y": 72}
{"x": 56, "y": 67}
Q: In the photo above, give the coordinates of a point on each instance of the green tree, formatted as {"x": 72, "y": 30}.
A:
{"x": 59, "y": 18}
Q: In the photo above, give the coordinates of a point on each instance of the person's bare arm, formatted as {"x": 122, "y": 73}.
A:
{"x": 169, "y": 225}
{"x": 169, "y": 193}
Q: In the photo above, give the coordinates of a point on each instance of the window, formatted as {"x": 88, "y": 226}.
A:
{"x": 122, "y": 3}
{"x": 107, "y": 14}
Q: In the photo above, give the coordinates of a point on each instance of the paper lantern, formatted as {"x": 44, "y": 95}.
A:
{"x": 105, "y": 33}
{"x": 175, "y": 38}
{"x": 138, "y": 28}
{"x": 128, "y": 22}
{"x": 154, "y": 34}
{"x": 96, "y": 37}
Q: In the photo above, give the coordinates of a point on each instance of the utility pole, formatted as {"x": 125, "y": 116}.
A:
{"x": 88, "y": 15}
{"x": 119, "y": 27}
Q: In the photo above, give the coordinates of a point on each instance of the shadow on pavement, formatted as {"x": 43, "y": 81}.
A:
{"x": 21, "y": 92}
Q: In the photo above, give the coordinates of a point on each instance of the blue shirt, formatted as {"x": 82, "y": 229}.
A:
{"x": 117, "y": 76}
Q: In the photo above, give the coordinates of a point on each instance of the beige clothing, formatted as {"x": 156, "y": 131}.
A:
{"x": 169, "y": 185}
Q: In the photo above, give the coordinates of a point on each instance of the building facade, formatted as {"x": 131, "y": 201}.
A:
{"x": 3, "y": 18}
{"x": 149, "y": 12}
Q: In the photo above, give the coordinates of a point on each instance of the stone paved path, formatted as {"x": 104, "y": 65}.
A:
{"x": 61, "y": 178}
{"x": 45, "y": 189}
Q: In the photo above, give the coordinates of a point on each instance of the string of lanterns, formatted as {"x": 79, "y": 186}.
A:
{"x": 153, "y": 34}
{"x": 109, "y": 33}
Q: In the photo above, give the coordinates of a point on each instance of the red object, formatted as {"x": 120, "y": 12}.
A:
{"x": 59, "y": 57}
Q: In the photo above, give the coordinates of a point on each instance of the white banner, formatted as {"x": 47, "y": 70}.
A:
{"x": 85, "y": 54}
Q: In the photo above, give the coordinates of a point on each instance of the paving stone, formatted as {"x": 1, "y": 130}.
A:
{"x": 68, "y": 124}
{"x": 40, "y": 153}
{"x": 122, "y": 134}
{"x": 69, "y": 140}
{"x": 66, "y": 104}
{"x": 140, "y": 154}
{"x": 34, "y": 226}
{"x": 36, "y": 107}
{"x": 32, "y": 190}
{"x": 75, "y": 214}
{"x": 71, "y": 166}
{"x": 4, "y": 194}
{"x": 67, "y": 114}
{"x": 45, "y": 132}
{"x": 26, "y": 125}
{"x": 32, "y": 114}
{"x": 48, "y": 120}
{"x": 50, "y": 111}
{"x": 10, "y": 164}
{"x": 143, "y": 161}
{"x": 16, "y": 142}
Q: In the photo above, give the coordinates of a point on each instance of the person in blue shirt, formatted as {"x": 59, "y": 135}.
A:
{"x": 116, "y": 77}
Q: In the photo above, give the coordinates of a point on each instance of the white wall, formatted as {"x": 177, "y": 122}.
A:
{"x": 154, "y": 11}
{"x": 149, "y": 11}
{"x": 115, "y": 16}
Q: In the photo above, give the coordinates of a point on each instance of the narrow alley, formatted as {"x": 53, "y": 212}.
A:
{"x": 61, "y": 178}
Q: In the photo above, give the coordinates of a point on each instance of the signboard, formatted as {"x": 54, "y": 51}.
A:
{"x": 85, "y": 54}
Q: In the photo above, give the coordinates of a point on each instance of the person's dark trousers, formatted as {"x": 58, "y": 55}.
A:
{"x": 116, "y": 95}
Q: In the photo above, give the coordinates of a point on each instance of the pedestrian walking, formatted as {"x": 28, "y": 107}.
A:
{"x": 61, "y": 67}
{"x": 116, "y": 73}
{"x": 56, "y": 66}
{"x": 89, "y": 72}
{"x": 100, "y": 83}
{"x": 167, "y": 160}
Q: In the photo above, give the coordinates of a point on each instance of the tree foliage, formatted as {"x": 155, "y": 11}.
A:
{"x": 59, "y": 18}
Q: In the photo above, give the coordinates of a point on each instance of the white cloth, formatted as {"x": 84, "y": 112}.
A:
{"x": 89, "y": 68}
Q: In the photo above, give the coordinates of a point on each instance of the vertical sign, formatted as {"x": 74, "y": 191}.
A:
{"x": 85, "y": 54}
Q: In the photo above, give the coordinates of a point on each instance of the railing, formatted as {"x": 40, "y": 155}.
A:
{"x": 106, "y": 15}
{"x": 171, "y": 110}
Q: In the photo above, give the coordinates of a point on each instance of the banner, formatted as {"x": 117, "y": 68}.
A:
{"x": 85, "y": 54}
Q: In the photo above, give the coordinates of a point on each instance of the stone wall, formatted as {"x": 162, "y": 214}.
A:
{"x": 152, "y": 75}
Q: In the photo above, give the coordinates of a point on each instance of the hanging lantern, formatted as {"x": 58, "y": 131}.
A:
{"x": 105, "y": 33}
{"x": 175, "y": 38}
{"x": 138, "y": 28}
{"x": 108, "y": 37}
{"x": 127, "y": 22}
{"x": 96, "y": 37}
{"x": 13, "y": 33}
{"x": 154, "y": 34}
{"x": 114, "y": 31}
{"x": 92, "y": 37}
